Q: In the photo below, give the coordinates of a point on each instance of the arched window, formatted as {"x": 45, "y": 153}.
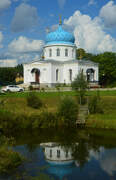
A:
{"x": 72, "y": 52}
{"x": 66, "y": 153}
{"x": 70, "y": 74}
{"x": 90, "y": 74}
{"x": 58, "y": 153}
{"x": 50, "y": 52}
{"x": 50, "y": 152}
{"x": 57, "y": 74}
{"x": 58, "y": 52}
{"x": 66, "y": 52}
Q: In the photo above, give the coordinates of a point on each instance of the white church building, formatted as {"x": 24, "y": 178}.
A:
{"x": 59, "y": 64}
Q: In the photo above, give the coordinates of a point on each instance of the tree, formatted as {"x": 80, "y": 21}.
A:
{"x": 8, "y": 74}
{"x": 80, "y": 85}
{"x": 81, "y": 53}
{"x": 68, "y": 111}
{"x": 107, "y": 68}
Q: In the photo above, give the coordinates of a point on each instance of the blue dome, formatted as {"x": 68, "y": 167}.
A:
{"x": 60, "y": 37}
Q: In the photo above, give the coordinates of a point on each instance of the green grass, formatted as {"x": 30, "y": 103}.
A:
{"x": 54, "y": 94}
{"x": 106, "y": 121}
{"x": 16, "y": 103}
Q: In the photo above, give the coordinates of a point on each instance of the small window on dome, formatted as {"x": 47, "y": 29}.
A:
{"x": 50, "y": 52}
{"x": 66, "y": 52}
{"x": 58, "y": 52}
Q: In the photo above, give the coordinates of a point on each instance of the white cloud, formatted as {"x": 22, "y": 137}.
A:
{"x": 61, "y": 3}
{"x": 91, "y": 2}
{"x": 8, "y": 63}
{"x": 89, "y": 33}
{"x": 25, "y": 45}
{"x": 25, "y": 17}
{"x": 108, "y": 13}
{"x": 4, "y": 4}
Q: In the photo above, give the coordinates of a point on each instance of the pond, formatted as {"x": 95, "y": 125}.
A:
{"x": 66, "y": 154}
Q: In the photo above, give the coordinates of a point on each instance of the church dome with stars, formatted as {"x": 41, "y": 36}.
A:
{"x": 60, "y": 37}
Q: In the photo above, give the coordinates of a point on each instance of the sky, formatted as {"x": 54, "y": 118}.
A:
{"x": 24, "y": 24}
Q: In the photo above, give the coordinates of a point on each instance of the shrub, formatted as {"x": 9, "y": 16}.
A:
{"x": 9, "y": 160}
{"x": 95, "y": 105}
{"x": 9, "y": 122}
{"x": 68, "y": 111}
{"x": 44, "y": 120}
{"x": 34, "y": 101}
{"x": 30, "y": 88}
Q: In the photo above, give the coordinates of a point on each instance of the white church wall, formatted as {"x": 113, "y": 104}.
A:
{"x": 62, "y": 57}
{"x": 66, "y": 75}
{"x": 45, "y": 73}
{"x": 51, "y": 153}
{"x": 60, "y": 74}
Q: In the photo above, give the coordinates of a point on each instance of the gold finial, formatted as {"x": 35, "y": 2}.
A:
{"x": 60, "y": 20}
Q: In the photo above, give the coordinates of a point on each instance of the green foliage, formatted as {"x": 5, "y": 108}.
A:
{"x": 107, "y": 65}
{"x": 95, "y": 105}
{"x": 8, "y": 75}
{"x": 9, "y": 122}
{"x": 44, "y": 120}
{"x": 30, "y": 88}
{"x": 68, "y": 111}
{"x": 80, "y": 54}
{"x": 80, "y": 85}
{"x": 34, "y": 101}
{"x": 9, "y": 160}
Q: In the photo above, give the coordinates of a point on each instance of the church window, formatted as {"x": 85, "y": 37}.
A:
{"x": 58, "y": 153}
{"x": 58, "y": 52}
{"x": 57, "y": 74}
{"x": 50, "y": 152}
{"x": 70, "y": 74}
{"x": 66, "y": 52}
{"x": 50, "y": 52}
{"x": 72, "y": 52}
{"x": 66, "y": 154}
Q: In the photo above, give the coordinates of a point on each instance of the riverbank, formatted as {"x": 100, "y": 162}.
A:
{"x": 16, "y": 104}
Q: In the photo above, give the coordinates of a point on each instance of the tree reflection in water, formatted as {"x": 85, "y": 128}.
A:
{"x": 76, "y": 149}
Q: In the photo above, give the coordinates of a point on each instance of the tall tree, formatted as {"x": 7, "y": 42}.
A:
{"x": 80, "y": 85}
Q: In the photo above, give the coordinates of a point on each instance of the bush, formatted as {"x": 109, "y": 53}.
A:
{"x": 95, "y": 105}
{"x": 34, "y": 101}
{"x": 9, "y": 122}
{"x": 9, "y": 160}
{"x": 44, "y": 120}
{"x": 68, "y": 111}
{"x": 30, "y": 88}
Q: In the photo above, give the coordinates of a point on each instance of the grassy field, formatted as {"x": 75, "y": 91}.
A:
{"x": 16, "y": 103}
{"x": 60, "y": 93}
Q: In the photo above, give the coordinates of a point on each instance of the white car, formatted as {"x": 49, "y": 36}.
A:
{"x": 12, "y": 88}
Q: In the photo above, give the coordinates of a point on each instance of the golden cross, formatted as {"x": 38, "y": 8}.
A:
{"x": 60, "y": 20}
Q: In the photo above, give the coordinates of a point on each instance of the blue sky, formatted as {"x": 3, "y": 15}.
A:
{"x": 23, "y": 25}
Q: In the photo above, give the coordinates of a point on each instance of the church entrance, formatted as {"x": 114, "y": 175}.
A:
{"x": 36, "y": 73}
{"x": 90, "y": 75}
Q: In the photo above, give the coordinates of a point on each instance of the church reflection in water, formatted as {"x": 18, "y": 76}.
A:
{"x": 66, "y": 160}
{"x": 60, "y": 159}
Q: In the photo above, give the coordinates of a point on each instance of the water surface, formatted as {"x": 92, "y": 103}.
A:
{"x": 66, "y": 155}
